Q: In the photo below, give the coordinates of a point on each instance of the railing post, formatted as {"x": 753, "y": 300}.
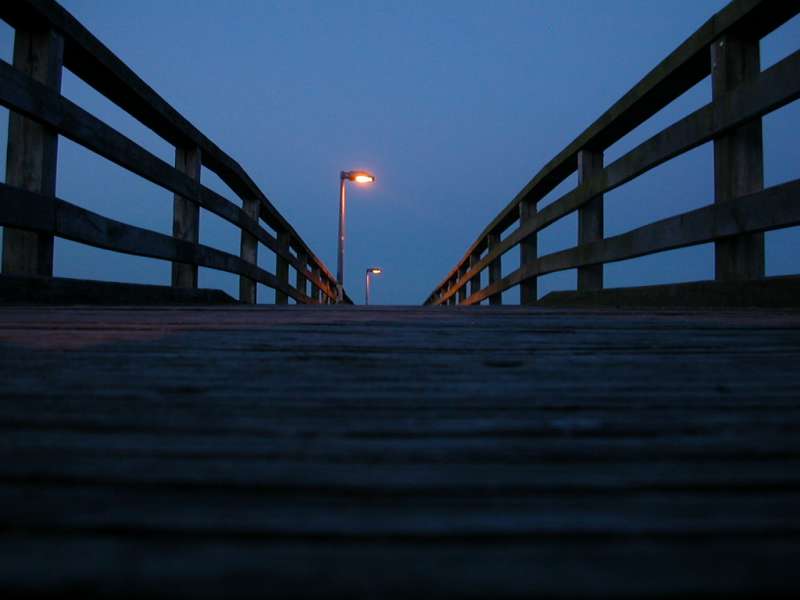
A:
{"x": 495, "y": 268}
{"x": 528, "y": 253}
{"x": 248, "y": 251}
{"x": 590, "y": 219}
{"x": 475, "y": 282}
{"x": 186, "y": 216}
{"x": 323, "y": 296}
{"x": 316, "y": 292}
{"x": 462, "y": 291}
{"x": 738, "y": 158}
{"x": 31, "y": 160}
{"x": 302, "y": 257}
{"x": 282, "y": 266}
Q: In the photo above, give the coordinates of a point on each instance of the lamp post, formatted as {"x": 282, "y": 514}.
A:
{"x": 344, "y": 177}
{"x": 371, "y": 271}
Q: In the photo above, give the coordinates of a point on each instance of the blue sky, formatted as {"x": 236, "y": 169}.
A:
{"x": 455, "y": 105}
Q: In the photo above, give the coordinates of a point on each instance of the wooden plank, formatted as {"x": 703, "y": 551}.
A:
{"x": 773, "y": 208}
{"x": 186, "y": 216}
{"x": 782, "y": 292}
{"x": 774, "y": 88}
{"x": 630, "y": 566}
{"x": 738, "y": 157}
{"x": 18, "y": 211}
{"x": 63, "y": 291}
{"x": 31, "y": 160}
{"x": 590, "y": 218}
{"x": 682, "y": 69}
{"x": 234, "y": 512}
{"x": 248, "y": 251}
{"x": 282, "y": 267}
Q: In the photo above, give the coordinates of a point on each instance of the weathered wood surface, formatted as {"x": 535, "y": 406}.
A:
{"x": 378, "y": 452}
{"x": 186, "y": 216}
{"x": 31, "y": 158}
{"x": 770, "y": 292}
{"x": 738, "y": 157}
{"x": 60, "y": 291}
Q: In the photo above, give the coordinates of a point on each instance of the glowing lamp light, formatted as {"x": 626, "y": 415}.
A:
{"x": 358, "y": 176}
{"x": 371, "y": 271}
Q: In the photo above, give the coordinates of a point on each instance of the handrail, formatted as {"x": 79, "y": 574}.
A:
{"x": 743, "y": 23}
{"x": 23, "y": 92}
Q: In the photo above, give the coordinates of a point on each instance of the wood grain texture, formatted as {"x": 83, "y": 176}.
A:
{"x": 31, "y": 158}
{"x": 186, "y": 216}
{"x": 738, "y": 158}
{"x": 499, "y": 451}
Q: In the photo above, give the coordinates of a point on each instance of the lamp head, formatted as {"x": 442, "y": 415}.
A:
{"x": 358, "y": 176}
{"x": 375, "y": 270}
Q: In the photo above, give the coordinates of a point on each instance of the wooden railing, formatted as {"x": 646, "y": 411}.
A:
{"x": 726, "y": 48}
{"x": 47, "y": 39}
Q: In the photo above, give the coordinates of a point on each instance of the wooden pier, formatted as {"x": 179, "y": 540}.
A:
{"x": 316, "y": 449}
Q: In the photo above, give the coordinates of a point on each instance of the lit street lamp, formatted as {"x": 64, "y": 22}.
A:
{"x": 345, "y": 176}
{"x": 371, "y": 271}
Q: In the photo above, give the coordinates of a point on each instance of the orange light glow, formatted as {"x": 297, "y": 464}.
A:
{"x": 376, "y": 271}
{"x": 364, "y": 179}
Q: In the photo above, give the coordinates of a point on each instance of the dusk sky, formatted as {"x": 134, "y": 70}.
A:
{"x": 455, "y": 105}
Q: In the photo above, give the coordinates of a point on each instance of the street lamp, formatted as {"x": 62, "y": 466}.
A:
{"x": 345, "y": 176}
{"x": 371, "y": 271}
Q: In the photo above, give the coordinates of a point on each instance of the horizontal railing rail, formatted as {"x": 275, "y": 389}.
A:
{"x": 48, "y": 38}
{"x": 725, "y": 47}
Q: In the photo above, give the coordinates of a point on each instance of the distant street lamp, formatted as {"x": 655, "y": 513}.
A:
{"x": 371, "y": 271}
{"x": 345, "y": 176}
